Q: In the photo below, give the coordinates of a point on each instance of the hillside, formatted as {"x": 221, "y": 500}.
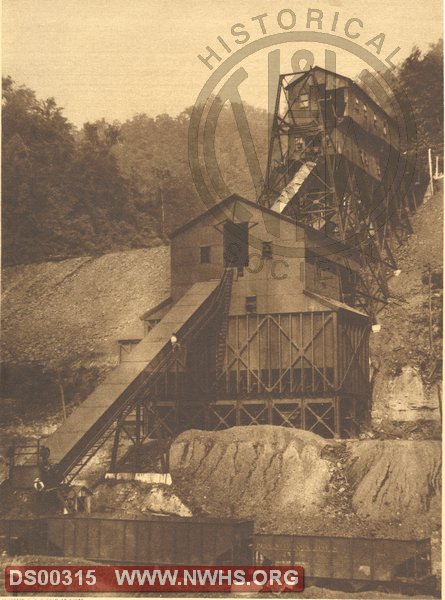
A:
{"x": 75, "y": 310}
{"x": 61, "y": 320}
{"x": 406, "y": 353}
{"x": 107, "y": 187}
{"x": 60, "y": 326}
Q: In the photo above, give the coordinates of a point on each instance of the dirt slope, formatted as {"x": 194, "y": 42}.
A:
{"x": 293, "y": 481}
{"x": 245, "y": 471}
{"x": 75, "y": 310}
{"x": 394, "y": 478}
{"x": 60, "y": 326}
{"x": 406, "y": 366}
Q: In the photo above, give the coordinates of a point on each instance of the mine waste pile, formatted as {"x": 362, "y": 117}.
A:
{"x": 292, "y": 481}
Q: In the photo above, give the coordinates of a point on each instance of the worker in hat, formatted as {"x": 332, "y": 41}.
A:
{"x": 175, "y": 344}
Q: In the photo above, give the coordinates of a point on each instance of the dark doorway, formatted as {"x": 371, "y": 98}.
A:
{"x": 236, "y": 244}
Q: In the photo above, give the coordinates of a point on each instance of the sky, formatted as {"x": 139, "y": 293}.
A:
{"x": 116, "y": 58}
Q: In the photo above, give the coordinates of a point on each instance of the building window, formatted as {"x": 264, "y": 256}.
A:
{"x": 299, "y": 143}
{"x": 251, "y": 304}
{"x": 365, "y": 108}
{"x": 204, "y": 254}
{"x": 375, "y": 121}
{"x": 267, "y": 250}
{"x": 236, "y": 244}
{"x": 304, "y": 100}
{"x": 325, "y": 269}
{"x": 385, "y": 131}
{"x": 149, "y": 324}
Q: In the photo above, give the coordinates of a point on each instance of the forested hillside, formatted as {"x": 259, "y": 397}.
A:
{"x": 420, "y": 76}
{"x": 68, "y": 192}
{"x": 116, "y": 186}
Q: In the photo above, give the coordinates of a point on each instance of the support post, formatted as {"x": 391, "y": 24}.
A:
{"x": 62, "y": 394}
{"x": 430, "y": 167}
{"x": 113, "y": 463}
{"x": 337, "y": 417}
{"x": 115, "y": 450}
{"x": 138, "y": 435}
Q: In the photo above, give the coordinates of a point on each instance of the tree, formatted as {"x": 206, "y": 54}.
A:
{"x": 109, "y": 186}
{"x": 37, "y": 145}
{"x": 150, "y": 147}
{"x": 63, "y": 191}
{"x": 421, "y": 76}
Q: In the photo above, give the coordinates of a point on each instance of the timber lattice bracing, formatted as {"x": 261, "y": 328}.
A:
{"x": 354, "y": 190}
{"x": 305, "y": 370}
{"x": 282, "y": 339}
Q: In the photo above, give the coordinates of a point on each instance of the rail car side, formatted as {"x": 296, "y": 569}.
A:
{"x": 162, "y": 540}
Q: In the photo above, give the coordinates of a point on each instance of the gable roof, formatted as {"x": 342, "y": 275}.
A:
{"x": 148, "y": 313}
{"x": 217, "y": 211}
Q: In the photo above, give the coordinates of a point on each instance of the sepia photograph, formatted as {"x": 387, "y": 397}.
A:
{"x": 221, "y": 299}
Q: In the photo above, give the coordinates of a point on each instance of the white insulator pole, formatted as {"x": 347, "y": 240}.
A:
{"x": 430, "y": 165}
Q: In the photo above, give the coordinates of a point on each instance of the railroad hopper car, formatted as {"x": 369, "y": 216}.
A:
{"x": 155, "y": 540}
{"x": 349, "y": 559}
{"x": 160, "y": 540}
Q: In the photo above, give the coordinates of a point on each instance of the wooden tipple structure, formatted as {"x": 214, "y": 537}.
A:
{"x": 285, "y": 350}
{"x": 272, "y": 301}
{"x": 339, "y": 164}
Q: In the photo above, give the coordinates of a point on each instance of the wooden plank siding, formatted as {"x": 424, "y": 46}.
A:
{"x": 362, "y": 132}
{"x": 279, "y": 354}
{"x": 353, "y": 356}
{"x": 307, "y": 370}
{"x": 276, "y": 360}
